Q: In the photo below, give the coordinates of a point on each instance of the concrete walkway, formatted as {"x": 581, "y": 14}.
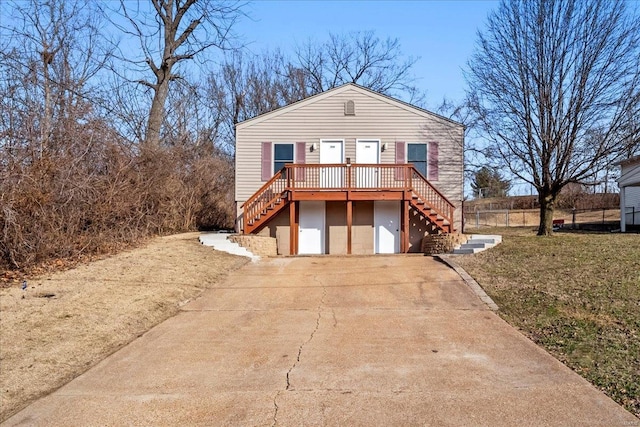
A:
{"x": 353, "y": 341}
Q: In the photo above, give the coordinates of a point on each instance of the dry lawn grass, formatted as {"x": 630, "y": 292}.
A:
{"x": 66, "y": 322}
{"x": 575, "y": 294}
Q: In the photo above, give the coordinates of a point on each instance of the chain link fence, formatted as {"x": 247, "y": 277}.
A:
{"x": 572, "y": 218}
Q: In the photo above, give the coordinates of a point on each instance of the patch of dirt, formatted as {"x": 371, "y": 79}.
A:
{"x": 64, "y": 323}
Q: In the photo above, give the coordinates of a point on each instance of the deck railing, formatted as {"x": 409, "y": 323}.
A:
{"x": 347, "y": 176}
{"x": 266, "y": 197}
{"x": 344, "y": 177}
{"x": 430, "y": 195}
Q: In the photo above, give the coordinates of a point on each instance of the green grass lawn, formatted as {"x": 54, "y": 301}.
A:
{"x": 575, "y": 294}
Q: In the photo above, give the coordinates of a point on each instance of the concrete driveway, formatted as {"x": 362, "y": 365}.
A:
{"x": 354, "y": 341}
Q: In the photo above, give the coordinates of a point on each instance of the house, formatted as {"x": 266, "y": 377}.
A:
{"x": 629, "y": 183}
{"x": 349, "y": 171}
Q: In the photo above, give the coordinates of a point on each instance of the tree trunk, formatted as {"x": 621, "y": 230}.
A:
{"x": 547, "y": 205}
{"x": 45, "y": 130}
{"x": 156, "y": 114}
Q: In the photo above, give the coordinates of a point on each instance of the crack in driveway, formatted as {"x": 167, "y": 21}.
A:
{"x": 275, "y": 409}
{"x": 320, "y": 305}
{"x": 315, "y": 329}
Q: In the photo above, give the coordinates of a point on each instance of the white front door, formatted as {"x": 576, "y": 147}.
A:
{"x": 386, "y": 222}
{"x": 311, "y": 228}
{"x": 367, "y": 152}
{"x": 331, "y": 152}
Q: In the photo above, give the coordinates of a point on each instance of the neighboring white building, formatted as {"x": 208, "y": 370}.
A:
{"x": 629, "y": 183}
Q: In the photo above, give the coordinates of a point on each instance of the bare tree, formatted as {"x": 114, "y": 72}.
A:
{"x": 554, "y": 83}
{"x": 360, "y": 58}
{"x": 174, "y": 32}
{"x": 50, "y": 54}
{"x": 246, "y": 86}
{"x": 249, "y": 85}
{"x": 72, "y": 180}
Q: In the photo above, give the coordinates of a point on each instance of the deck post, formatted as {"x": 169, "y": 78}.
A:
{"x": 293, "y": 229}
{"x": 349, "y": 223}
{"x": 245, "y": 221}
{"x": 404, "y": 244}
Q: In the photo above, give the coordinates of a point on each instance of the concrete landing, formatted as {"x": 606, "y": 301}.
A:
{"x": 219, "y": 242}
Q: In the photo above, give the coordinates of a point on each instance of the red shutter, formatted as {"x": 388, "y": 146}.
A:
{"x": 401, "y": 158}
{"x": 267, "y": 173}
{"x": 301, "y": 154}
{"x": 432, "y": 166}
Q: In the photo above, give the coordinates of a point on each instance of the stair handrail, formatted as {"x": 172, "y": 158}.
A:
{"x": 441, "y": 205}
{"x": 257, "y": 202}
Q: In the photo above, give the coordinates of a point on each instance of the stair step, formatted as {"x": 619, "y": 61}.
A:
{"x": 482, "y": 241}
{"x": 496, "y": 237}
{"x": 265, "y": 213}
{"x": 474, "y": 245}
{"x": 477, "y": 243}
{"x": 465, "y": 251}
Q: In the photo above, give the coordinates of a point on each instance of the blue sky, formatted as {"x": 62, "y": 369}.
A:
{"x": 441, "y": 33}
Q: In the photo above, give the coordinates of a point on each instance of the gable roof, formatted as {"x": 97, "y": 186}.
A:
{"x": 630, "y": 160}
{"x": 340, "y": 89}
{"x": 630, "y": 174}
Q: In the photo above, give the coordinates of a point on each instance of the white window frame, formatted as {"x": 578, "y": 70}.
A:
{"x": 426, "y": 154}
{"x": 273, "y": 154}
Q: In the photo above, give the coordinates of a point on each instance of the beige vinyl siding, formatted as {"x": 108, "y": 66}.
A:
{"x": 322, "y": 117}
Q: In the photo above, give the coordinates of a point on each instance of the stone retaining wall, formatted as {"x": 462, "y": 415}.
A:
{"x": 263, "y": 246}
{"x": 433, "y": 244}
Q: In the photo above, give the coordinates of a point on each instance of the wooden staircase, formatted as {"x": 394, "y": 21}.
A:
{"x": 276, "y": 194}
{"x": 430, "y": 203}
{"x": 266, "y": 203}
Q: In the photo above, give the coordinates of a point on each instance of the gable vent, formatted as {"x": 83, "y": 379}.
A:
{"x": 349, "y": 108}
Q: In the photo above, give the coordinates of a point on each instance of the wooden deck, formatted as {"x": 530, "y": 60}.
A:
{"x": 347, "y": 182}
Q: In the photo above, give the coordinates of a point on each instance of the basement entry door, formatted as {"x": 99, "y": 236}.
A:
{"x": 311, "y": 228}
{"x": 386, "y": 222}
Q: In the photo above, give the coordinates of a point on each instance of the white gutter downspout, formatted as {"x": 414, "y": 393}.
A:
{"x": 623, "y": 213}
